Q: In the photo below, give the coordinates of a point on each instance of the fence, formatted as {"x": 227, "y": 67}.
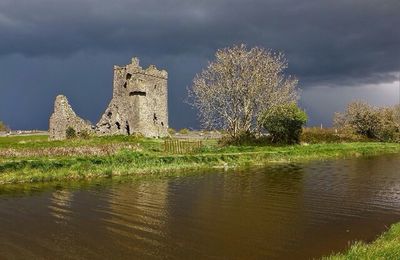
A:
{"x": 181, "y": 146}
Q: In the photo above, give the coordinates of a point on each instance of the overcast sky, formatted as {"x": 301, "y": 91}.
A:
{"x": 340, "y": 50}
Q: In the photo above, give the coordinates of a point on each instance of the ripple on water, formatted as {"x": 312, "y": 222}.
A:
{"x": 282, "y": 211}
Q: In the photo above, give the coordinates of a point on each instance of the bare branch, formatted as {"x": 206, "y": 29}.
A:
{"x": 239, "y": 84}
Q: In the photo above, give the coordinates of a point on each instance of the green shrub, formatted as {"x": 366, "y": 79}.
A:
{"x": 361, "y": 117}
{"x": 3, "y": 127}
{"x": 371, "y": 122}
{"x": 242, "y": 139}
{"x": 315, "y": 135}
{"x": 388, "y": 129}
{"x": 84, "y": 134}
{"x": 184, "y": 131}
{"x": 137, "y": 135}
{"x": 171, "y": 131}
{"x": 245, "y": 139}
{"x": 70, "y": 133}
{"x": 284, "y": 123}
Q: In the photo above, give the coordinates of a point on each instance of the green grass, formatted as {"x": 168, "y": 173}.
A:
{"x": 146, "y": 159}
{"x": 25, "y": 159}
{"x": 387, "y": 246}
{"x": 42, "y": 141}
{"x": 14, "y": 141}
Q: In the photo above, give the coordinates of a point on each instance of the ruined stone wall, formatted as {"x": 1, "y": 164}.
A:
{"x": 139, "y": 105}
{"x": 64, "y": 117}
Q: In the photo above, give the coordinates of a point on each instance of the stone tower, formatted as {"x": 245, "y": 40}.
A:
{"x": 139, "y": 103}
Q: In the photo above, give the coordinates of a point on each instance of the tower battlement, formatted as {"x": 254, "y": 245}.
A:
{"x": 139, "y": 104}
{"x": 135, "y": 68}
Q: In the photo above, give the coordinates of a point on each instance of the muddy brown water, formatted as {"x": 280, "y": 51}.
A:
{"x": 292, "y": 211}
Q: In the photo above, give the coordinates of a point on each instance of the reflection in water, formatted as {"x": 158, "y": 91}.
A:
{"x": 136, "y": 217}
{"x": 60, "y": 206}
{"x": 278, "y": 212}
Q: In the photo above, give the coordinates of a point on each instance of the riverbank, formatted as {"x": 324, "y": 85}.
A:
{"x": 387, "y": 246}
{"x": 34, "y": 159}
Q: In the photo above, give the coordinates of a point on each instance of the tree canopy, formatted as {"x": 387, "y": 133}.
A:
{"x": 238, "y": 85}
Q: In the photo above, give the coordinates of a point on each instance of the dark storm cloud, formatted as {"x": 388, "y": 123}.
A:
{"x": 342, "y": 42}
{"x": 324, "y": 40}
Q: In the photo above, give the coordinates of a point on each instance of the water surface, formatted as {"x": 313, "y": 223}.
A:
{"x": 293, "y": 211}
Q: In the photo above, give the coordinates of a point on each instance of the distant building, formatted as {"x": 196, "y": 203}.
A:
{"x": 139, "y": 105}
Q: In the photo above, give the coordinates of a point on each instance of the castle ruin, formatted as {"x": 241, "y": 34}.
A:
{"x": 139, "y": 106}
{"x": 63, "y": 118}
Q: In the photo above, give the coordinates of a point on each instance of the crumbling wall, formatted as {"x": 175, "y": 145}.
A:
{"x": 139, "y": 103}
{"x": 64, "y": 117}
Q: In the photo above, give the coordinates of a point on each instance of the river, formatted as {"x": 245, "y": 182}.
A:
{"x": 290, "y": 211}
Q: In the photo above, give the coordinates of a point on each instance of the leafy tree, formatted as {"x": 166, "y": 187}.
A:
{"x": 361, "y": 117}
{"x": 369, "y": 121}
{"x": 388, "y": 128}
{"x": 284, "y": 123}
{"x": 239, "y": 84}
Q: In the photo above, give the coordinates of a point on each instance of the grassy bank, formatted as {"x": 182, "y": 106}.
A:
{"x": 35, "y": 159}
{"x": 387, "y": 246}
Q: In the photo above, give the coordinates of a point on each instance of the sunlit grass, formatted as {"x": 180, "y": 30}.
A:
{"x": 141, "y": 158}
{"x": 35, "y": 159}
{"x": 387, "y": 246}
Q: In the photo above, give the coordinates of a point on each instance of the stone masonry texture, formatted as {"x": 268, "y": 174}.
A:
{"x": 63, "y": 118}
{"x": 139, "y": 106}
